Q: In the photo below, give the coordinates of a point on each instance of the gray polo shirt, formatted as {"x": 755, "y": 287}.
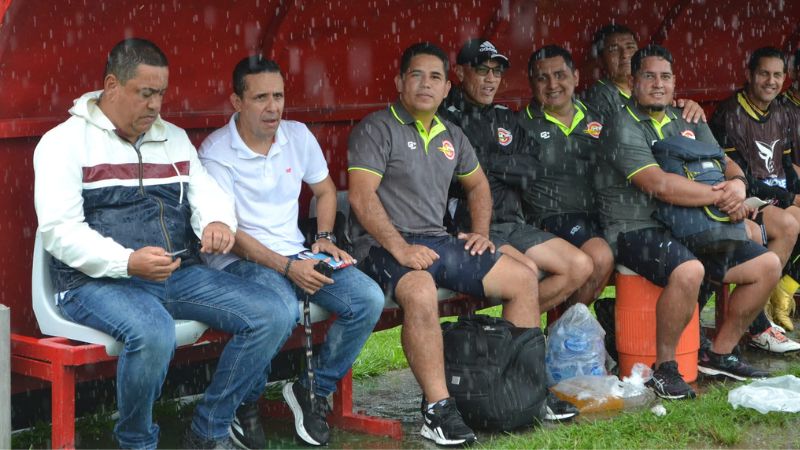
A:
{"x": 605, "y": 97}
{"x": 625, "y": 151}
{"x": 565, "y": 161}
{"x": 415, "y": 167}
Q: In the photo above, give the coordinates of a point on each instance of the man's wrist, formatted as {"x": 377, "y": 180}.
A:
{"x": 325, "y": 235}
{"x": 740, "y": 178}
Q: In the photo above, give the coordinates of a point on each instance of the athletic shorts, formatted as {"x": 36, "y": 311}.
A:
{"x": 521, "y": 236}
{"x": 653, "y": 254}
{"x": 575, "y": 228}
{"x": 455, "y": 269}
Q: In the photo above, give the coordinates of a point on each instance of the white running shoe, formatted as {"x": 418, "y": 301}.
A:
{"x": 772, "y": 340}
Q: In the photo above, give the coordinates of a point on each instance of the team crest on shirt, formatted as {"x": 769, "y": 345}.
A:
{"x": 448, "y": 149}
{"x": 688, "y": 133}
{"x": 504, "y": 136}
{"x": 593, "y": 129}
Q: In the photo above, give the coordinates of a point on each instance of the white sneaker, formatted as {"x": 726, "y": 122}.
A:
{"x": 774, "y": 341}
{"x": 777, "y": 327}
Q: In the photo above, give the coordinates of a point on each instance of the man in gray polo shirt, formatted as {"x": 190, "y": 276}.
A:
{"x": 628, "y": 180}
{"x": 401, "y": 161}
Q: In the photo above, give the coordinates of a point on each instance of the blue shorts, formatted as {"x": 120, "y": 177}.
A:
{"x": 455, "y": 269}
{"x": 575, "y": 228}
{"x": 654, "y": 254}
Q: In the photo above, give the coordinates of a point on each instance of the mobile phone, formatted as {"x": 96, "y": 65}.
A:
{"x": 324, "y": 268}
{"x": 336, "y": 265}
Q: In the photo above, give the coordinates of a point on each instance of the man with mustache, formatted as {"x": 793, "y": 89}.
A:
{"x": 756, "y": 131}
{"x": 494, "y": 133}
{"x": 401, "y": 160}
{"x": 564, "y": 139}
{"x": 628, "y": 179}
{"x": 262, "y": 161}
{"x": 119, "y": 193}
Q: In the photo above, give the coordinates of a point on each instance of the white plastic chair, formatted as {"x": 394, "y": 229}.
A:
{"x": 52, "y": 323}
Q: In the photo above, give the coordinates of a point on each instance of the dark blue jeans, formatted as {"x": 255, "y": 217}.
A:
{"x": 141, "y": 315}
{"x": 357, "y": 302}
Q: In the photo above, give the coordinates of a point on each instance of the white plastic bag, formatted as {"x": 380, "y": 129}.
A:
{"x": 575, "y": 346}
{"x": 780, "y": 394}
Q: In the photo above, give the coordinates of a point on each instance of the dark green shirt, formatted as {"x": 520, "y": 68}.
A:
{"x": 604, "y": 96}
{"x": 564, "y": 158}
{"x": 415, "y": 167}
{"x": 626, "y": 143}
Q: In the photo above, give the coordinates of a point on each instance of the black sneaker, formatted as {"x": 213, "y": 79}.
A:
{"x": 668, "y": 383}
{"x": 309, "y": 419}
{"x": 444, "y": 425}
{"x": 557, "y": 409}
{"x": 730, "y": 365}
{"x": 246, "y": 430}
{"x": 192, "y": 440}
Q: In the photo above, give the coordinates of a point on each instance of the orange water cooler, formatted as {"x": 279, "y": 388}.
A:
{"x": 636, "y": 327}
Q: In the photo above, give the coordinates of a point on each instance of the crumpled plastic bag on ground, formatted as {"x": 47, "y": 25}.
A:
{"x": 591, "y": 393}
{"x": 779, "y": 394}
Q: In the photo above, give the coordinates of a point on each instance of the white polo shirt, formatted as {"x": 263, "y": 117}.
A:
{"x": 265, "y": 189}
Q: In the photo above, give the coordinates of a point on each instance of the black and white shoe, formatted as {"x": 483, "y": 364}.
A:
{"x": 444, "y": 424}
{"x": 730, "y": 365}
{"x": 668, "y": 383}
{"x": 557, "y": 409}
{"x": 309, "y": 418}
{"x": 246, "y": 430}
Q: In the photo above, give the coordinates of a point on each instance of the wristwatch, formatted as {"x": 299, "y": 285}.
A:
{"x": 325, "y": 235}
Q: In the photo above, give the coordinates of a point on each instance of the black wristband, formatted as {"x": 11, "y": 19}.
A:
{"x": 744, "y": 180}
{"x": 286, "y": 269}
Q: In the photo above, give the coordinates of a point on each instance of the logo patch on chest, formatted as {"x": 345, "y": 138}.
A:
{"x": 688, "y": 133}
{"x": 593, "y": 129}
{"x": 504, "y": 136}
{"x": 448, "y": 149}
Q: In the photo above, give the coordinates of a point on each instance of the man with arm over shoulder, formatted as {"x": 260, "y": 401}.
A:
{"x": 628, "y": 180}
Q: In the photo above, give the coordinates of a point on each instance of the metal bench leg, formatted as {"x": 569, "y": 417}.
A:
{"x": 343, "y": 416}
{"x": 63, "y": 407}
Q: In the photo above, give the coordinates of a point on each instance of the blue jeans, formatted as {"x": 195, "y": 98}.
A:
{"x": 357, "y": 302}
{"x": 140, "y": 314}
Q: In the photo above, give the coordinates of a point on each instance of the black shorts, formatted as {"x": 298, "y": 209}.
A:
{"x": 575, "y": 228}
{"x": 521, "y": 236}
{"x": 455, "y": 269}
{"x": 653, "y": 254}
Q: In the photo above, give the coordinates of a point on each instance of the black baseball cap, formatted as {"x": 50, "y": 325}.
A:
{"x": 477, "y": 51}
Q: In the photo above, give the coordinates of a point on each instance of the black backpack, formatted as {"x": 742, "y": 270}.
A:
{"x": 495, "y": 371}
{"x": 702, "y": 229}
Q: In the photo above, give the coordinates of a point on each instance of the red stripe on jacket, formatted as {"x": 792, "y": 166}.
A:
{"x": 130, "y": 171}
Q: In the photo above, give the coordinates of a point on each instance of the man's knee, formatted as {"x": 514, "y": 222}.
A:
{"x": 687, "y": 275}
{"x": 416, "y": 293}
{"x": 601, "y": 254}
{"x": 155, "y": 340}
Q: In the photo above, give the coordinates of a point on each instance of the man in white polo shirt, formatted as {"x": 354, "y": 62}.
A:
{"x": 262, "y": 161}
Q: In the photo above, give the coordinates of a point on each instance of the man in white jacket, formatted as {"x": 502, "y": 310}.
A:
{"x": 121, "y": 199}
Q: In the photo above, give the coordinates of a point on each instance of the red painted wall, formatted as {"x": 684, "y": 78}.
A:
{"x": 339, "y": 58}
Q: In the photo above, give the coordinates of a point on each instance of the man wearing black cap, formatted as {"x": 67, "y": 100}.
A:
{"x": 499, "y": 144}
